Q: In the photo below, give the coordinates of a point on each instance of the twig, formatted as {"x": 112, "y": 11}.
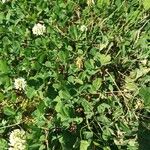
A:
{"x": 46, "y": 140}
{"x": 12, "y": 125}
{"x": 118, "y": 89}
{"x": 139, "y": 32}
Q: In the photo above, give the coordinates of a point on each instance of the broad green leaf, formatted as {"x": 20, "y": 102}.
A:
{"x": 2, "y": 16}
{"x": 63, "y": 111}
{"x": 42, "y": 147}
{"x": 104, "y": 59}
{"x": 105, "y": 120}
{"x": 145, "y": 94}
{"x": 64, "y": 94}
{"x": 48, "y": 64}
{"x": 9, "y": 111}
{"x": 137, "y": 73}
{"x": 88, "y": 108}
{"x": 77, "y": 80}
{"x": 141, "y": 72}
{"x": 106, "y": 148}
{"x": 1, "y": 97}
{"x": 71, "y": 79}
{"x": 96, "y": 144}
{"x": 97, "y": 83}
{"x": 87, "y": 105}
{"x": 5, "y": 80}
{"x": 106, "y": 133}
{"x": 88, "y": 135}
{"x": 78, "y": 120}
{"x": 118, "y": 3}
{"x": 35, "y": 146}
{"x": 73, "y": 32}
{"x": 102, "y": 107}
{"x": 3, "y": 67}
{"x": 84, "y": 145}
{"x": 63, "y": 55}
{"x": 146, "y": 4}
{"x": 89, "y": 64}
{"x": 95, "y": 86}
{"x": 131, "y": 86}
{"x": 102, "y": 3}
{"x": 3, "y": 144}
{"x": 59, "y": 106}
{"x": 30, "y": 92}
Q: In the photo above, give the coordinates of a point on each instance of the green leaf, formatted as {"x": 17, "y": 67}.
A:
{"x": 2, "y": 16}
{"x": 141, "y": 72}
{"x": 1, "y": 97}
{"x": 34, "y": 146}
{"x": 95, "y": 86}
{"x": 4, "y": 79}
{"x": 145, "y": 94}
{"x": 31, "y": 92}
{"x": 106, "y": 148}
{"x": 63, "y": 111}
{"x": 106, "y": 133}
{"x": 97, "y": 83}
{"x": 102, "y": 3}
{"x": 102, "y": 107}
{"x": 63, "y": 55}
{"x": 88, "y": 108}
{"x": 3, "y": 144}
{"x": 89, "y": 64}
{"x": 146, "y": 4}
{"x": 87, "y": 105}
{"x": 88, "y": 135}
{"x": 3, "y": 67}
{"x": 118, "y": 3}
{"x": 9, "y": 111}
{"x": 104, "y": 59}
{"x": 73, "y": 32}
{"x": 96, "y": 144}
{"x": 84, "y": 145}
{"x": 59, "y": 106}
{"x": 64, "y": 94}
{"x": 79, "y": 81}
{"x": 42, "y": 147}
{"x": 131, "y": 86}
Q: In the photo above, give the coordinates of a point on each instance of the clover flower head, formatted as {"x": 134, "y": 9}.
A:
{"x": 20, "y": 83}
{"x": 17, "y": 140}
{"x": 39, "y": 29}
{"x": 83, "y": 28}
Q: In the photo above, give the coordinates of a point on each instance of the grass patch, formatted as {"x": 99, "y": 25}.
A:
{"x": 74, "y": 74}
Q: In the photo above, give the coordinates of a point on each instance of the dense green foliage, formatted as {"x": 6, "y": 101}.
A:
{"x": 88, "y": 75}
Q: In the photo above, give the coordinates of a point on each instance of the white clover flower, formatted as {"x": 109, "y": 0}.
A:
{"x": 5, "y": 1}
{"x": 83, "y": 28}
{"x": 20, "y": 84}
{"x": 39, "y": 29}
{"x": 17, "y": 140}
